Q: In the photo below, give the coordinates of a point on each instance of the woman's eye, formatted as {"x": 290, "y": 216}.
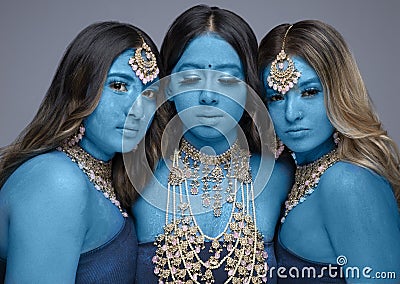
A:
{"x": 118, "y": 86}
{"x": 228, "y": 80}
{"x": 192, "y": 79}
{"x": 310, "y": 92}
{"x": 148, "y": 94}
{"x": 275, "y": 98}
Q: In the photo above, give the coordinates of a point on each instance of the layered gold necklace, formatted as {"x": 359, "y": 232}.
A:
{"x": 212, "y": 171}
{"x": 239, "y": 248}
{"x": 98, "y": 172}
{"x": 306, "y": 180}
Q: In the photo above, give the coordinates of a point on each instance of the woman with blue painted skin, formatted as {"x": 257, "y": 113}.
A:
{"x": 63, "y": 183}
{"x": 341, "y": 214}
{"x": 204, "y": 218}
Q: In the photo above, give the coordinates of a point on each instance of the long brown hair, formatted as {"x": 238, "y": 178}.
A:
{"x": 349, "y": 107}
{"x": 74, "y": 94}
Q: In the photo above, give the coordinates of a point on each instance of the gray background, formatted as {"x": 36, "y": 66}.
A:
{"x": 34, "y": 35}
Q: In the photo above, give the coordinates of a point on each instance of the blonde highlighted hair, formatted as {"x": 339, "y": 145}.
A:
{"x": 363, "y": 141}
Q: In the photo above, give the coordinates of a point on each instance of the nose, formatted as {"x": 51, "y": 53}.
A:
{"x": 293, "y": 110}
{"x": 136, "y": 110}
{"x": 208, "y": 98}
{"x": 207, "y": 95}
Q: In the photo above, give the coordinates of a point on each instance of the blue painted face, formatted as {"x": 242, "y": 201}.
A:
{"x": 207, "y": 89}
{"x": 124, "y": 112}
{"x": 299, "y": 116}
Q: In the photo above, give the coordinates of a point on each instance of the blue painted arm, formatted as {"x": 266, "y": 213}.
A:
{"x": 274, "y": 194}
{"x": 47, "y": 197}
{"x": 362, "y": 220}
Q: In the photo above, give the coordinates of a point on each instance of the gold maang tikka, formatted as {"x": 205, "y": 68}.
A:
{"x": 283, "y": 74}
{"x": 144, "y": 63}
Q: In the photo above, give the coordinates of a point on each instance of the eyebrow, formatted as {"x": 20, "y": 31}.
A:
{"x": 309, "y": 81}
{"x": 120, "y": 74}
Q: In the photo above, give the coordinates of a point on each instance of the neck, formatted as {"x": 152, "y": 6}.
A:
{"x": 213, "y": 146}
{"x": 303, "y": 158}
{"x": 95, "y": 151}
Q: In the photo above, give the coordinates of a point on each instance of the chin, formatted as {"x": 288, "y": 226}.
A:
{"x": 129, "y": 146}
{"x": 304, "y": 148}
{"x": 299, "y": 147}
{"x": 207, "y": 133}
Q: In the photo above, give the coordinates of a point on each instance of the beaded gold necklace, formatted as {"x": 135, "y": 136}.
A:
{"x": 98, "y": 172}
{"x": 306, "y": 179}
{"x": 239, "y": 247}
{"x": 212, "y": 171}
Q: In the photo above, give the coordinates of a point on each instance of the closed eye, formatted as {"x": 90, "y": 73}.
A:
{"x": 228, "y": 80}
{"x": 190, "y": 79}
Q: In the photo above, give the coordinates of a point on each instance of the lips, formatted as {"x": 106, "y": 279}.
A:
{"x": 209, "y": 119}
{"x": 209, "y": 115}
{"x": 298, "y": 129}
{"x": 130, "y": 129}
{"x": 297, "y": 133}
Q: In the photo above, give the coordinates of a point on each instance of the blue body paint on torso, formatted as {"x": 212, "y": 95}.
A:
{"x": 51, "y": 209}
{"x": 335, "y": 221}
{"x": 210, "y": 120}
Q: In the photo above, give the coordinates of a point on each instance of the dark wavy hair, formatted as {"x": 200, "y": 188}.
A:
{"x": 203, "y": 19}
{"x": 74, "y": 94}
